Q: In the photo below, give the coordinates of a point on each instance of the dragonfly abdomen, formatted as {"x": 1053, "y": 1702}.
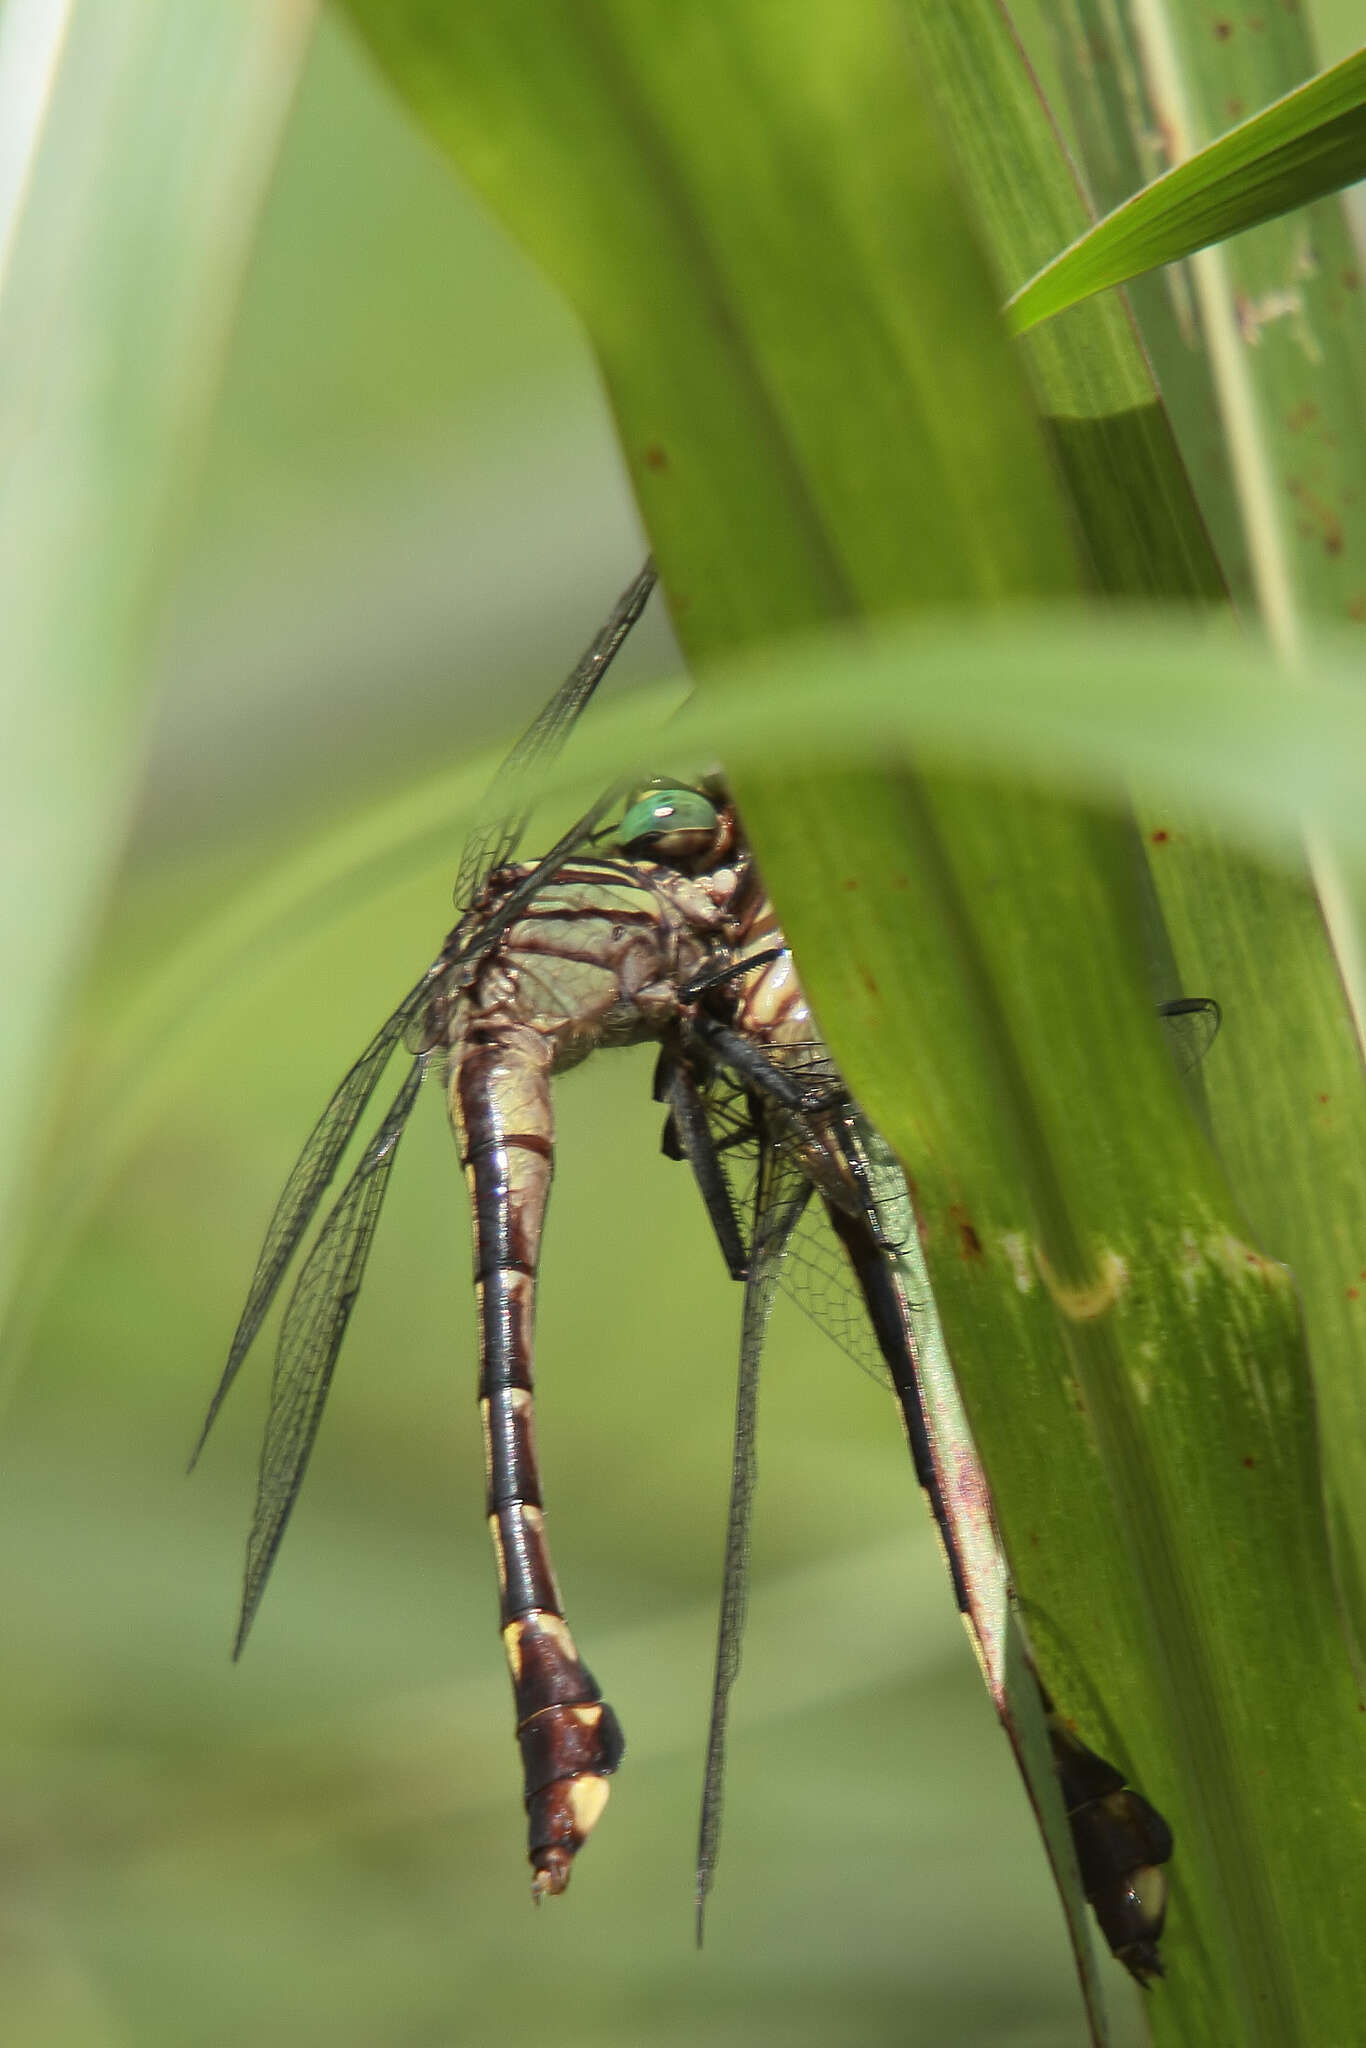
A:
{"x": 595, "y": 957}
{"x": 569, "y": 1737}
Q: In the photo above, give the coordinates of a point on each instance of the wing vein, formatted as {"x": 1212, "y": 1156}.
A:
{"x": 310, "y": 1339}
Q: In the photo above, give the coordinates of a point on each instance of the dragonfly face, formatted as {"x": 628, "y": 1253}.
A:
{"x": 669, "y": 937}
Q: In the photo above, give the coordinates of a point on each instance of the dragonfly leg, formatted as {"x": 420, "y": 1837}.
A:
{"x": 826, "y": 1103}
{"x": 733, "y": 970}
{"x": 749, "y": 1063}
{"x": 886, "y": 1311}
{"x": 688, "y": 1128}
{"x": 570, "y": 1739}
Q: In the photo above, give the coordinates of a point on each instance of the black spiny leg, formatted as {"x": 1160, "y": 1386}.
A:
{"x": 687, "y": 1135}
{"x": 751, "y": 1065}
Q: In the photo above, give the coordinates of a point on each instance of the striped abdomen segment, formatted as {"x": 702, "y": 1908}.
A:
{"x": 569, "y": 1736}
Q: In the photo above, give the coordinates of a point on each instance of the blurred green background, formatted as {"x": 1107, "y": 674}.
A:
{"x": 412, "y": 518}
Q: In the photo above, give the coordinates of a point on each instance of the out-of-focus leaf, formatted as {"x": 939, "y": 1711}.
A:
{"x": 1310, "y": 143}
{"x": 1013, "y": 696}
{"x": 139, "y": 139}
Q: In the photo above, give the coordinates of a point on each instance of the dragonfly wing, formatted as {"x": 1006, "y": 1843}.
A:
{"x": 306, "y": 1186}
{"x": 505, "y": 807}
{"x": 813, "y": 1270}
{"x": 310, "y": 1338}
{"x": 1192, "y": 1024}
{"x": 480, "y": 934}
{"x": 816, "y": 1275}
{"x": 780, "y": 1196}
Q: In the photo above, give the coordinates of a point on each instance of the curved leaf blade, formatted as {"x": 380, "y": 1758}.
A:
{"x": 1301, "y": 147}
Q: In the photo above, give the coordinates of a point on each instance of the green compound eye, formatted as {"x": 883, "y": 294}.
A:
{"x": 674, "y": 825}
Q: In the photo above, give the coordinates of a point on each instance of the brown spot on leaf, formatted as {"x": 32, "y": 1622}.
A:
{"x": 869, "y": 981}
{"x": 1353, "y": 1293}
{"x": 655, "y": 458}
{"x": 1160, "y": 837}
{"x": 1320, "y": 518}
{"x": 1234, "y": 109}
{"x": 1351, "y": 279}
{"x": 1248, "y": 1464}
{"x": 1356, "y": 607}
{"x": 1222, "y": 31}
{"x": 969, "y": 1243}
{"x": 1299, "y": 416}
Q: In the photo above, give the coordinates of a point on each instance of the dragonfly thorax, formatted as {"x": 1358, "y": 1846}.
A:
{"x": 595, "y": 958}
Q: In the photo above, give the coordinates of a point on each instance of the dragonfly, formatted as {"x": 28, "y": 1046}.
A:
{"x": 654, "y": 928}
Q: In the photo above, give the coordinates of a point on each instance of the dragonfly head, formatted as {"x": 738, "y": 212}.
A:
{"x": 688, "y": 829}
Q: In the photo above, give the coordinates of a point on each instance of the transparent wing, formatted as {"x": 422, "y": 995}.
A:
{"x": 1192, "y": 1024}
{"x": 307, "y": 1184}
{"x": 490, "y": 844}
{"x": 813, "y": 1270}
{"x": 310, "y": 1338}
{"x": 506, "y": 804}
{"x": 480, "y": 934}
{"x": 781, "y": 1195}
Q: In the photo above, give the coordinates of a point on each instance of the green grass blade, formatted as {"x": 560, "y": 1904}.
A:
{"x": 1016, "y": 694}
{"x": 1311, "y": 142}
{"x": 1257, "y": 940}
{"x": 142, "y": 138}
{"x": 1265, "y": 337}
{"x": 1259, "y": 345}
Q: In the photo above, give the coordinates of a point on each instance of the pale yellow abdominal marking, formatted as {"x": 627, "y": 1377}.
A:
{"x": 499, "y": 1556}
{"x": 552, "y": 1626}
{"x": 587, "y": 1798}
